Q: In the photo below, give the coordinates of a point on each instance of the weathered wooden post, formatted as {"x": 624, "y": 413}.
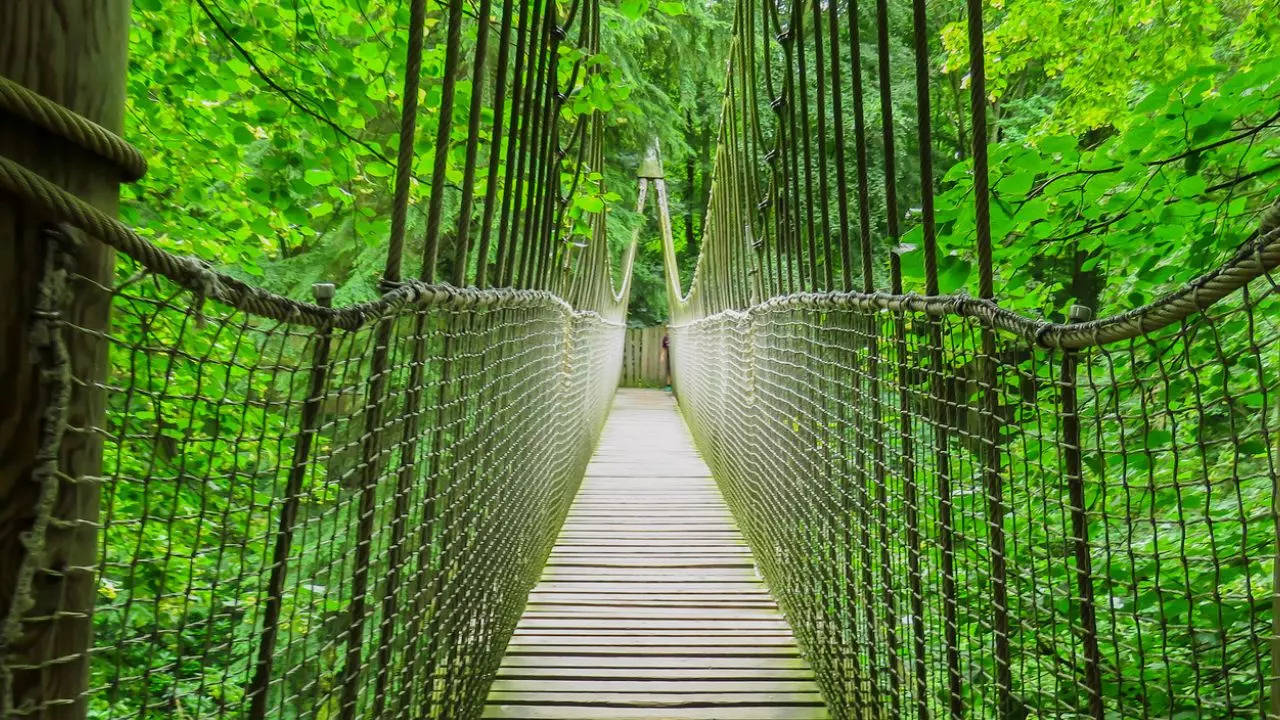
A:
{"x": 73, "y": 53}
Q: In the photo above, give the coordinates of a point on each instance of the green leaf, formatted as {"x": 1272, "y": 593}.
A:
{"x": 671, "y": 8}
{"x": 634, "y": 9}
{"x": 316, "y": 177}
{"x": 589, "y": 203}
{"x": 911, "y": 260}
{"x": 1017, "y": 184}
{"x": 1191, "y": 186}
{"x": 242, "y": 134}
{"x": 953, "y": 272}
{"x": 1211, "y": 128}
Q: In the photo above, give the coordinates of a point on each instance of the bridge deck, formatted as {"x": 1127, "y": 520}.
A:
{"x": 649, "y": 606}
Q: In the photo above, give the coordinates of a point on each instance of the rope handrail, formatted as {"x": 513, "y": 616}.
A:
{"x": 201, "y": 278}
{"x": 1251, "y": 262}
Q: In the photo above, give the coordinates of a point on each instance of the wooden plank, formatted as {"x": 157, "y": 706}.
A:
{"x": 630, "y": 673}
{"x": 590, "y": 583}
{"x": 650, "y": 605}
{"x": 678, "y": 685}
{"x": 587, "y": 712}
{"x": 683, "y": 641}
{"x": 657, "y": 597}
{"x": 642, "y": 613}
{"x": 745, "y": 651}
{"x": 640, "y": 557}
{"x": 663, "y": 623}
{"x": 655, "y": 699}
{"x": 651, "y": 575}
{"x": 599, "y": 548}
{"x": 639, "y": 662}
{"x": 643, "y": 539}
{"x": 594, "y": 626}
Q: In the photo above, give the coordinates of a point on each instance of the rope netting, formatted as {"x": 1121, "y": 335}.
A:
{"x": 291, "y": 534}
{"x": 969, "y": 508}
{"x": 255, "y": 506}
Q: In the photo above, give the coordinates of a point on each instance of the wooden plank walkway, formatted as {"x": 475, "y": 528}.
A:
{"x": 650, "y": 606}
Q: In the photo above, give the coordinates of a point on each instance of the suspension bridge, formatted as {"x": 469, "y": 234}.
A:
{"x": 874, "y": 500}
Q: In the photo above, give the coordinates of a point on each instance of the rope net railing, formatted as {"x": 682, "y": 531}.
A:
{"x": 247, "y": 505}
{"x": 970, "y": 505}
{"x": 294, "y": 535}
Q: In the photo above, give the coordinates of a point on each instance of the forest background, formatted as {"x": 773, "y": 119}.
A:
{"x": 270, "y": 126}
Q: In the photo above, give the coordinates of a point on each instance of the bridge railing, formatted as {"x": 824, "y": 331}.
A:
{"x": 1082, "y": 532}
{"x": 218, "y": 501}
{"x": 280, "y": 532}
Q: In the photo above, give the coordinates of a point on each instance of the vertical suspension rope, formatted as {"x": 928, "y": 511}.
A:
{"x": 534, "y": 192}
{"x": 924, "y": 135}
{"x": 860, "y": 148}
{"x": 378, "y": 364}
{"x": 404, "y": 151}
{"x": 444, "y": 131}
{"x": 495, "y": 146}
{"x": 978, "y": 123}
{"x": 837, "y": 113}
{"x": 462, "y": 235}
{"x": 991, "y": 454}
{"x": 797, "y": 35}
{"x": 515, "y": 153}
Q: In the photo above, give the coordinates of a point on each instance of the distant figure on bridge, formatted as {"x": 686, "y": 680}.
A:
{"x": 664, "y": 358}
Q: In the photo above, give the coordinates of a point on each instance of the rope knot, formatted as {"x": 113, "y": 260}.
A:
{"x": 203, "y": 281}
{"x": 1042, "y": 332}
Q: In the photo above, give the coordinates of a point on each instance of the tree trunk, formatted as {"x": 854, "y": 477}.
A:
{"x": 73, "y": 52}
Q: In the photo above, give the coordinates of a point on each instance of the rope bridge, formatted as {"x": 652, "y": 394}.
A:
{"x": 218, "y": 501}
{"x": 966, "y": 511}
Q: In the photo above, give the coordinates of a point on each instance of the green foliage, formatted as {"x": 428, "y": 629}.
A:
{"x": 1093, "y": 56}
{"x": 672, "y": 58}
{"x": 1148, "y": 208}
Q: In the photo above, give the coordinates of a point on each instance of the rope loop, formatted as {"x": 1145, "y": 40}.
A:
{"x": 73, "y": 127}
{"x": 386, "y": 286}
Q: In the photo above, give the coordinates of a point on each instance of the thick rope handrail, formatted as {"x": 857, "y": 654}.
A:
{"x": 1253, "y": 260}
{"x": 200, "y": 278}
{"x": 69, "y": 125}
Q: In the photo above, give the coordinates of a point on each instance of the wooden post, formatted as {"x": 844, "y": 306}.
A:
{"x": 74, "y": 53}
